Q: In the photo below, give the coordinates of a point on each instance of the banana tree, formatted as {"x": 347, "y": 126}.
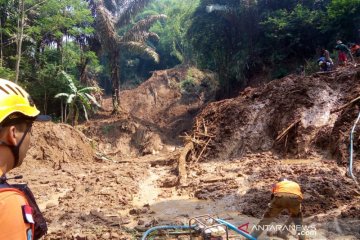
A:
{"x": 74, "y": 99}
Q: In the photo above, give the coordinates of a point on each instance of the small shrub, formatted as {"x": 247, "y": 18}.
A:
{"x": 188, "y": 86}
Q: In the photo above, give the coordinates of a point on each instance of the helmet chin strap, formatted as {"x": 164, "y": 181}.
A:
{"x": 15, "y": 149}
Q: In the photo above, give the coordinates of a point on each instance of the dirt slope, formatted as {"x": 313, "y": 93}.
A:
{"x": 92, "y": 185}
{"x": 302, "y": 105}
{"x": 59, "y": 143}
{"x": 153, "y": 115}
{"x": 170, "y": 99}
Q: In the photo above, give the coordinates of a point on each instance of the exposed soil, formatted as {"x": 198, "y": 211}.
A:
{"x": 309, "y": 105}
{"x": 116, "y": 176}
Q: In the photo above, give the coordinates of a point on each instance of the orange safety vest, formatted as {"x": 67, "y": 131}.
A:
{"x": 13, "y": 223}
{"x": 287, "y": 187}
{"x": 354, "y": 49}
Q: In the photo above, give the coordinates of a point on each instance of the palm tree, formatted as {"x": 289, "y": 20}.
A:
{"x": 76, "y": 97}
{"x": 135, "y": 38}
{"x": 120, "y": 13}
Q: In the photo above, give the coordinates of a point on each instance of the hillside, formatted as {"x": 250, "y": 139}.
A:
{"x": 88, "y": 193}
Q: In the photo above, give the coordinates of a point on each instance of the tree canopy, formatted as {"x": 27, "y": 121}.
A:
{"x": 118, "y": 41}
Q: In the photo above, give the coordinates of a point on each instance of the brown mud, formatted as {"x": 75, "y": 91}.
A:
{"x": 116, "y": 176}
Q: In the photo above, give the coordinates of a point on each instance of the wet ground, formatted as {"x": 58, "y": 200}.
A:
{"x": 119, "y": 200}
{"x": 121, "y": 178}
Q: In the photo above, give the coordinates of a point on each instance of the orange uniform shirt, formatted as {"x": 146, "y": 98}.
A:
{"x": 12, "y": 222}
{"x": 287, "y": 187}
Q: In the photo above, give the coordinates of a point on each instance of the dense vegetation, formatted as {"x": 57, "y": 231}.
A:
{"x": 109, "y": 42}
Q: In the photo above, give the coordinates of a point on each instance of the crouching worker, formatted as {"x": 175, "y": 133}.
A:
{"x": 325, "y": 65}
{"x": 20, "y": 217}
{"x": 285, "y": 195}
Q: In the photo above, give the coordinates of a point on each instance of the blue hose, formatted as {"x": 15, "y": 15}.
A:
{"x": 162, "y": 228}
{"x": 235, "y": 229}
{"x": 229, "y": 225}
{"x": 351, "y": 148}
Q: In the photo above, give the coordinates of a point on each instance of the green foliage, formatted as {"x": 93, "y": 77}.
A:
{"x": 293, "y": 31}
{"x": 7, "y": 73}
{"x": 240, "y": 39}
{"x": 188, "y": 86}
{"x": 56, "y": 19}
{"x": 198, "y": 84}
{"x": 311, "y": 67}
{"x": 106, "y": 129}
{"x": 344, "y": 16}
{"x": 77, "y": 98}
{"x": 54, "y": 40}
{"x": 173, "y": 47}
{"x": 237, "y": 39}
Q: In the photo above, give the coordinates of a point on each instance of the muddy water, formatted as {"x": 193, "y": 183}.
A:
{"x": 177, "y": 209}
{"x": 148, "y": 192}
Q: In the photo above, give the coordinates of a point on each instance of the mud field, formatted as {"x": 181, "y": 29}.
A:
{"x": 116, "y": 176}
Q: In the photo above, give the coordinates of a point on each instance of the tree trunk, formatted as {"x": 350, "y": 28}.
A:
{"x": 62, "y": 111}
{"x": 45, "y": 102}
{"x": 76, "y": 115}
{"x": 115, "y": 76}
{"x": 20, "y": 35}
{"x": 65, "y": 112}
{"x": 1, "y": 44}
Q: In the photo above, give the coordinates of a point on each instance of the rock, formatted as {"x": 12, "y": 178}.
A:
{"x": 51, "y": 205}
{"x": 80, "y": 237}
{"x": 141, "y": 222}
{"x": 114, "y": 235}
{"x": 138, "y": 211}
{"x": 105, "y": 236}
{"x": 91, "y": 237}
{"x": 169, "y": 182}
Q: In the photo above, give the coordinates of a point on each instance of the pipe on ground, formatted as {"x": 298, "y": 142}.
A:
{"x": 350, "y": 170}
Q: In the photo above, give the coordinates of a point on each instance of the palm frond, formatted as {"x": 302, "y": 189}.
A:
{"x": 140, "y": 30}
{"x": 71, "y": 98}
{"x": 70, "y": 81}
{"x": 84, "y": 100}
{"x": 111, "y": 5}
{"x": 92, "y": 99}
{"x": 141, "y": 49}
{"x": 85, "y": 112}
{"x": 62, "y": 95}
{"x": 105, "y": 27}
{"x": 88, "y": 89}
{"x": 129, "y": 9}
{"x": 153, "y": 36}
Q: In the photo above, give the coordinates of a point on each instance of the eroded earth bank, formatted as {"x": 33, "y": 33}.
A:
{"x": 115, "y": 176}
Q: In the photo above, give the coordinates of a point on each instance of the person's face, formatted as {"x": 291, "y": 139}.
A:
{"x": 26, "y": 129}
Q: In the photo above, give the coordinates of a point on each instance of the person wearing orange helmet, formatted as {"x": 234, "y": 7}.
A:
{"x": 287, "y": 195}
{"x": 20, "y": 218}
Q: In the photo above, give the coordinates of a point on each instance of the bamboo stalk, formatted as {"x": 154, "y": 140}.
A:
{"x": 283, "y": 133}
{"x": 345, "y": 105}
{"x": 204, "y": 134}
{"x": 202, "y": 151}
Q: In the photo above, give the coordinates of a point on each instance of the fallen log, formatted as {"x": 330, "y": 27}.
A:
{"x": 182, "y": 163}
{"x": 224, "y": 179}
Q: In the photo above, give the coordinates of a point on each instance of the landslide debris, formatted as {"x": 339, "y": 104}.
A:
{"x": 154, "y": 114}
{"x": 114, "y": 196}
{"x": 59, "y": 143}
{"x": 294, "y": 116}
